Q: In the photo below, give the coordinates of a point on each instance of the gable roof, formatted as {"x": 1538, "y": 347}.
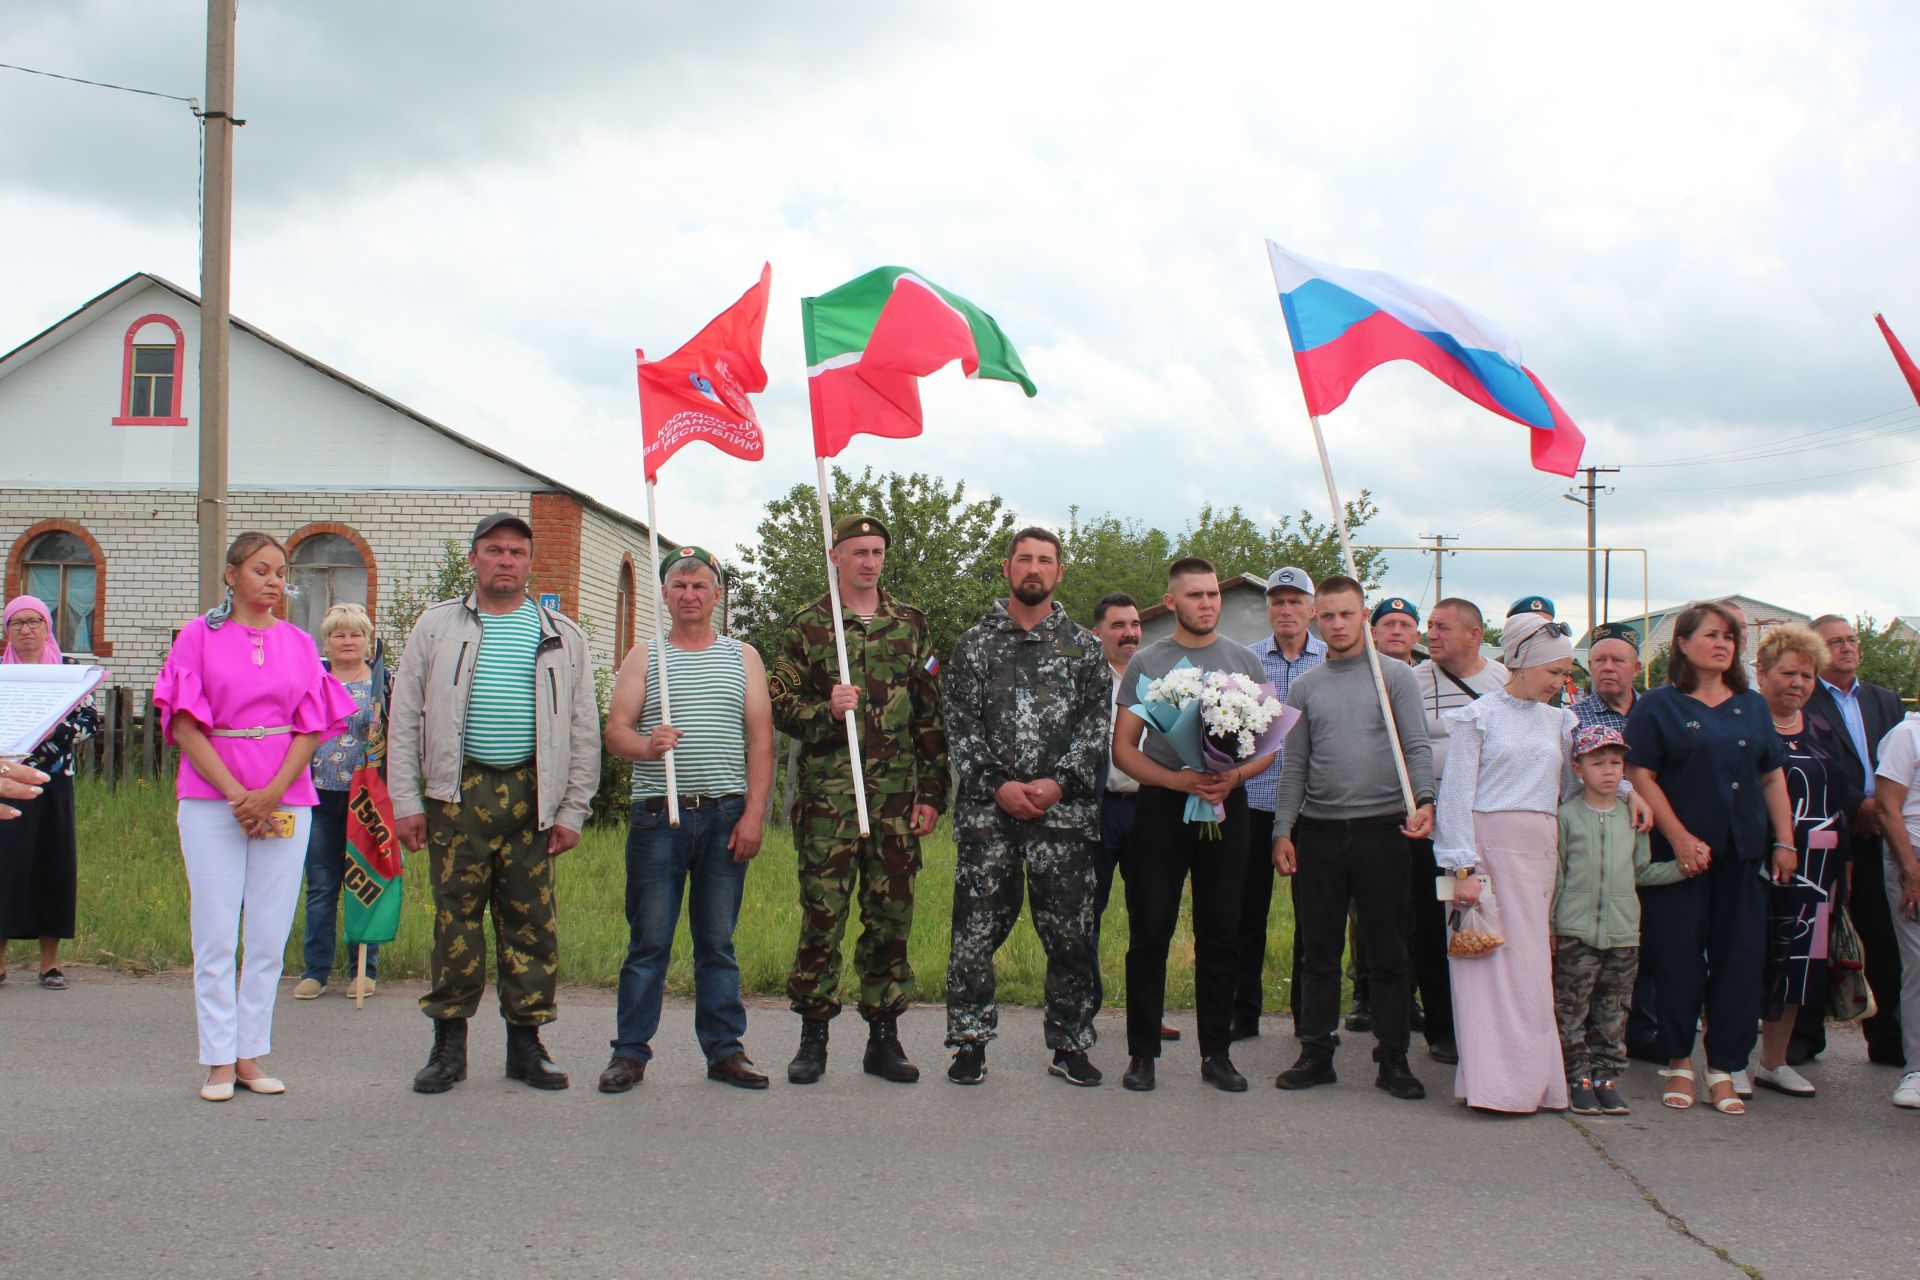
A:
{"x": 65, "y": 327}
{"x": 1650, "y": 624}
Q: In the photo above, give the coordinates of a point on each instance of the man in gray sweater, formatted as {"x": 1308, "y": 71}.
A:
{"x": 1341, "y": 828}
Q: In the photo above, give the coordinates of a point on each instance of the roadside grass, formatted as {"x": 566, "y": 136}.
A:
{"x": 133, "y": 913}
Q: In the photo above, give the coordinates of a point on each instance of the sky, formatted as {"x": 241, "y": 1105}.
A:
{"x": 1686, "y": 214}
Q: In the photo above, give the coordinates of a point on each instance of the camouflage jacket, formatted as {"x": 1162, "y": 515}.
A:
{"x": 1023, "y": 705}
{"x": 903, "y": 743}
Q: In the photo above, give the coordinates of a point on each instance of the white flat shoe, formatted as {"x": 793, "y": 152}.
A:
{"x": 1742, "y": 1085}
{"x": 1784, "y": 1079}
{"x": 212, "y": 1092}
{"x": 259, "y": 1084}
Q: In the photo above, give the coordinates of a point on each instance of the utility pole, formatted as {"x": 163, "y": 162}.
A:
{"x": 216, "y": 285}
{"x": 1591, "y": 503}
{"x": 1440, "y": 541}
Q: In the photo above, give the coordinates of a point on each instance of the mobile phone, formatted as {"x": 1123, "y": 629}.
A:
{"x": 1443, "y": 886}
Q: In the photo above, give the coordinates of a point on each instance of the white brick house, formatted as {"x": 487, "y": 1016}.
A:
{"x": 99, "y": 457}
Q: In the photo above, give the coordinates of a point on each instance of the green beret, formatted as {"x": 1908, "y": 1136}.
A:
{"x": 1616, "y": 631}
{"x": 704, "y": 556}
{"x": 859, "y": 527}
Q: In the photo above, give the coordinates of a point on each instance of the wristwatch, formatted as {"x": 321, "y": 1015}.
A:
{"x": 1463, "y": 873}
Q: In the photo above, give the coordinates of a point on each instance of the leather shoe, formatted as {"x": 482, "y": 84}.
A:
{"x": 1359, "y": 1018}
{"x": 1245, "y": 1027}
{"x": 1800, "y": 1052}
{"x": 1445, "y": 1052}
{"x": 1397, "y": 1079}
{"x": 1220, "y": 1072}
{"x": 1169, "y": 1032}
{"x": 622, "y": 1074}
{"x": 736, "y": 1070}
{"x": 1314, "y": 1066}
{"x": 1139, "y": 1077}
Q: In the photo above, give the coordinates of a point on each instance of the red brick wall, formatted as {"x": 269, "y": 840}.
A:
{"x": 556, "y": 549}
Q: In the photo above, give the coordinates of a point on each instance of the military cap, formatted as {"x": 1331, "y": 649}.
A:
{"x": 701, "y": 554}
{"x": 1616, "y": 631}
{"x": 857, "y": 526}
{"x": 1531, "y": 604}
{"x": 1395, "y": 604}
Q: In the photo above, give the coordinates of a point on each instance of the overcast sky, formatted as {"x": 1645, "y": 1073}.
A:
{"x": 1687, "y": 214}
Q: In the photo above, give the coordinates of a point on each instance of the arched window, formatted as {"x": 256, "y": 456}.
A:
{"x": 152, "y": 361}
{"x": 623, "y": 611}
{"x": 60, "y": 569}
{"x": 326, "y": 569}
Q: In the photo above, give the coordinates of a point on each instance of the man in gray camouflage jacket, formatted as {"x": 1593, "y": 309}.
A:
{"x": 1025, "y": 703}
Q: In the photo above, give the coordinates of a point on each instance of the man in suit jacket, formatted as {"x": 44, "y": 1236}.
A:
{"x": 1860, "y": 714}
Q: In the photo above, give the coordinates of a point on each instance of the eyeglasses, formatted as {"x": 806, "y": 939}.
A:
{"x": 28, "y": 622}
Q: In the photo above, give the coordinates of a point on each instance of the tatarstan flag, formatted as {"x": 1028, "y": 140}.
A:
{"x": 870, "y": 340}
{"x": 370, "y": 911}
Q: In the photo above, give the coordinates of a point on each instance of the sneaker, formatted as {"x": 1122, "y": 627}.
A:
{"x": 1611, "y": 1103}
{"x": 969, "y": 1063}
{"x": 1784, "y": 1079}
{"x": 1742, "y": 1084}
{"x": 309, "y": 989}
{"x": 1908, "y": 1093}
{"x": 1581, "y": 1099}
{"x": 1072, "y": 1066}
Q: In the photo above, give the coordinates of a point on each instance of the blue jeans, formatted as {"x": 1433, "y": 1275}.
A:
{"x": 660, "y": 860}
{"x": 326, "y": 867}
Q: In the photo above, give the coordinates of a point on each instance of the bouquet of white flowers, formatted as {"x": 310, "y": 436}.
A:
{"x": 1213, "y": 720}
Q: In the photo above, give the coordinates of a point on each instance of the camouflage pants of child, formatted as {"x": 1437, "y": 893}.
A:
{"x": 885, "y": 863}
{"x": 486, "y": 851}
{"x": 988, "y": 876}
{"x": 1592, "y": 990}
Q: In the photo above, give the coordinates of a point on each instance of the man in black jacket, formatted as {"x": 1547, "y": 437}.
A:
{"x": 1860, "y": 714}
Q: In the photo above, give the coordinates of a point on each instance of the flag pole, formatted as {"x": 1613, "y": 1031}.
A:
{"x": 360, "y": 979}
{"x": 660, "y": 653}
{"x": 840, "y": 644}
{"x": 1366, "y": 632}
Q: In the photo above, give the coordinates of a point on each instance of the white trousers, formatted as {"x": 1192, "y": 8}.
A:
{"x": 1908, "y": 934}
{"x": 244, "y": 891}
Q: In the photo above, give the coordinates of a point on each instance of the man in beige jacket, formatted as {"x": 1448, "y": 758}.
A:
{"x": 494, "y": 719}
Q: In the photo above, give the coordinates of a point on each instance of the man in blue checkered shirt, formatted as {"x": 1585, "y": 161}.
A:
{"x": 1613, "y": 660}
{"x": 1288, "y": 653}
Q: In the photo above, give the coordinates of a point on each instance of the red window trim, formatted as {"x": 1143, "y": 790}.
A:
{"x": 360, "y": 544}
{"x": 626, "y": 623}
{"x": 126, "y": 374}
{"x": 15, "y": 579}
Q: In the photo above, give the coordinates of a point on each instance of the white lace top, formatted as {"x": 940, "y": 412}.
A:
{"x": 1506, "y": 755}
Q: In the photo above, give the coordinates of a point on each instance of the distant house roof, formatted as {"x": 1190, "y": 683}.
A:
{"x": 1656, "y": 626}
{"x": 60, "y": 330}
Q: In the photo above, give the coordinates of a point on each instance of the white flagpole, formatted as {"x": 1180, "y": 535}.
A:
{"x": 840, "y": 643}
{"x": 1373, "y": 655}
{"x": 660, "y": 654}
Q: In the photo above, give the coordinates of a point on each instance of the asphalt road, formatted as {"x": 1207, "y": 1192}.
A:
{"x": 115, "y": 1168}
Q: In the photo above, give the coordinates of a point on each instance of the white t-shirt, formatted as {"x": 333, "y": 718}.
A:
{"x": 1900, "y": 763}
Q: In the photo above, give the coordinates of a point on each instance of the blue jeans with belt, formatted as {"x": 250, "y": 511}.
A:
{"x": 661, "y": 861}
{"x": 326, "y": 868}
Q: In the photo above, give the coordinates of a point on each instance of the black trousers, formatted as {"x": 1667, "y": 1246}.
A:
{"x": 1165, "y": 851}
{"x": 1256, "y": 900}
{"x": 1873, "y": 920}
{"x": 1703, "y": 942}
{"x": 1428, "y": 939}
{"x": 1363, "y": 861}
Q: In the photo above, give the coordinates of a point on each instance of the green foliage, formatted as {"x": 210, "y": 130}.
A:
{"x": 450, "y": 576}
{"x": 1657, "y": 669}
{"x": 1887, "y": 658}
{"x": 1107, "y": 554}
{"x": 944, "y": 556}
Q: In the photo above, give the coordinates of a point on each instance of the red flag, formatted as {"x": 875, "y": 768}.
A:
{"x": 700, "y": 391}
{"x": 1900, "y": 356}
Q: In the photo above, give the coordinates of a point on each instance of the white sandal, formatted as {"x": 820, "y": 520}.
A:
{"x": 1728, "y": 1106}
{"x": 1673, "y": 1097}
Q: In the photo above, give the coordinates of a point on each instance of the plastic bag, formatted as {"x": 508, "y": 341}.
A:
{"x": 1470, "y": 933}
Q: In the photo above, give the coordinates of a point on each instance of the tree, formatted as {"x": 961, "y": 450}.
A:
{"x": 944, "y": 556}
{"x": 449, "y": 577}
{"x": 1888, "y": 658}
{"x": 1108, "y": 554}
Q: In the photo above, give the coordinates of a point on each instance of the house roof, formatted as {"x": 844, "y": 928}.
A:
{"x": 65, "y": 327}
{"x": 1651, "y": 623}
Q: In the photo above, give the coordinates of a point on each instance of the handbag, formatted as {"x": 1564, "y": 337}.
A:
{"x": 1849, "y": 998}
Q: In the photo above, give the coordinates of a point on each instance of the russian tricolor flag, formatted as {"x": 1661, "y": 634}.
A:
{"x": 1344, "y": 322}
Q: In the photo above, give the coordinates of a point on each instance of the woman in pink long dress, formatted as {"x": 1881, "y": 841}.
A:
{"x": 245, "y": 698}
{"x": 1509, "y": 764}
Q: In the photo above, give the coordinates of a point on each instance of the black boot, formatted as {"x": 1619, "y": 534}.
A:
{"x": 527, "y": 1059}
{"x": 447, "y": 1064}
{"x": 1395, "y": 1077}
{"x": 1314, "y": 1066}
{"x": 811, "y": 1061}
{"x": 885, "y": 1058}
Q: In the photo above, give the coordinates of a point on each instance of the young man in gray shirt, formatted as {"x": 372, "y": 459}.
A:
{"x": 1341, "y": 829}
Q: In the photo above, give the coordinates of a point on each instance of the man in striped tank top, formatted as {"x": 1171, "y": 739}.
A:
{"x": 721, "y": 736}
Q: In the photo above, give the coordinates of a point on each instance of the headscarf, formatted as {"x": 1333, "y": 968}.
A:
{"x": 1530, "y": 640}
{"x": 32, "y": 604}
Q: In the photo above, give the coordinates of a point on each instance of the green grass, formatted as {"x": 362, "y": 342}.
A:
{"x": 133, "y": 913}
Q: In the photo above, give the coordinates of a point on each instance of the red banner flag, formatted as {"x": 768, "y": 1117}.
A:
{"x": 1900, "y": 356}
{"x": 700, "y": 391}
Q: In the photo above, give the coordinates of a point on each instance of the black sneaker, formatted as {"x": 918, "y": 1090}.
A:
{"x": 1220, "y": 1072}
{"x": 1314, "y": 1066}
{"x": 969, "y": 1063}
{"x": 1611, "y": 1103}
{"x": 1581, "y": 1100}
{"x": 1397, "y": 1079}
{"x": 1072, "y": 1066}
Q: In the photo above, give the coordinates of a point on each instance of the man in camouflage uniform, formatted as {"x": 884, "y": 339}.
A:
{"x": 1026, "y": 706}
{"x": 903, "y": 750}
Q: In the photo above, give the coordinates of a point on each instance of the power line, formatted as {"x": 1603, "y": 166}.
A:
{"x": 1734, "y": 454}
{"x": 1763, "y": 484}
{"x": 102, "y": 84}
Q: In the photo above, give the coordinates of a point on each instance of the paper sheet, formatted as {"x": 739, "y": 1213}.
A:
{"x": 36, "y": 697}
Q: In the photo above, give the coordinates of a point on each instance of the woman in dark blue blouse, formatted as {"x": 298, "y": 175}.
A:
{"x": 1703, "y": 753}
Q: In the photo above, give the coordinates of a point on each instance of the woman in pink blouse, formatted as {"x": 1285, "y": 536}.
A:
{"x": 244, "y": 697}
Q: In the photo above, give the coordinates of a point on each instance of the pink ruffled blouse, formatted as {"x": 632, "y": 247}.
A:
{"x": 242, "y": 677}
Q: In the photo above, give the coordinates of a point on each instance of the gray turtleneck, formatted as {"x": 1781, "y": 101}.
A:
{"x": 1338, "y": 762}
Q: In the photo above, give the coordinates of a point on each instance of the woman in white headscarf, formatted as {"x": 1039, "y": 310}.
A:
{"x": 1509, "y": 765}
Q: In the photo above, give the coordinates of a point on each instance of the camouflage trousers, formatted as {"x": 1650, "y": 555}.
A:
{"x": 1057, "y": 871}
{"x": 1592, "y": 990}
{"x": 488, "y": 851}
{"x": 884, "y": 864}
